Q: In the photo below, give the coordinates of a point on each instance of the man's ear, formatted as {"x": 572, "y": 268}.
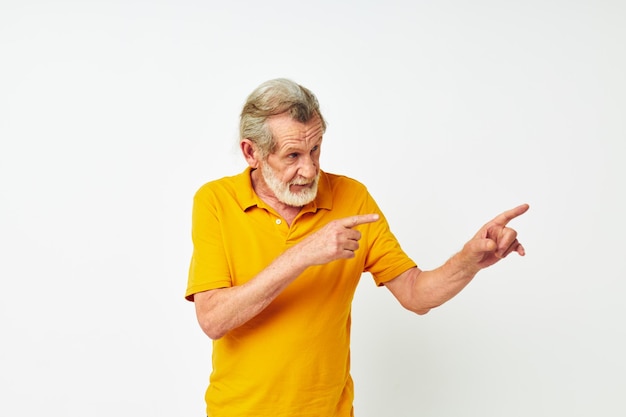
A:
{"x": 250, "y": 153}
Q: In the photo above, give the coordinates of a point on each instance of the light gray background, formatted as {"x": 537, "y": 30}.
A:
{"x": 113, "y": 113}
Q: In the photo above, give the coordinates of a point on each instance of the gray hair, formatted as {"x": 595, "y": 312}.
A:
{"x": 271, "y": 98}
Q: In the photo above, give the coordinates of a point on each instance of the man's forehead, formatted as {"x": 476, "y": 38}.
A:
{"x": 284, "y": 127}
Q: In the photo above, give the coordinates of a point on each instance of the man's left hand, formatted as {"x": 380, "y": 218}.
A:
{"x": 494, "y": 241}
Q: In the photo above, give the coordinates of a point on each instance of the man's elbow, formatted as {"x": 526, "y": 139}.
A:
{"x": 213, "y": 330}
{"x": 419, "y": 310}
{"x": 207, "y": 316}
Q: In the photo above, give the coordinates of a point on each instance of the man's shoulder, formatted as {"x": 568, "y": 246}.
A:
{"x": 339, "y": 181}
{"x": 224, "y": 183}
{"x": 233, "y": 189}
{"x": 342, "y": 190}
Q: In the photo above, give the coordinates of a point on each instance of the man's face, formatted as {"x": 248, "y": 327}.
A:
{"x": 292, "y": 171}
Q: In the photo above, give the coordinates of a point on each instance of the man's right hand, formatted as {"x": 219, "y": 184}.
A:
{"x": 223, "y": 309}
{"x": 337, "y": 240}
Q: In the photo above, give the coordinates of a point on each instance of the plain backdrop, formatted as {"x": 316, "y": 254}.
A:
{"x": 113, "y": 113}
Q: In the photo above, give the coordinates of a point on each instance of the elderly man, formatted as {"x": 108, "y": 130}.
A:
{"x": 278, "y": 252}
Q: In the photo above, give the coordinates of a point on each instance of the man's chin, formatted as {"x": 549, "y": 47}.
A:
{"x": 299, "y": 199}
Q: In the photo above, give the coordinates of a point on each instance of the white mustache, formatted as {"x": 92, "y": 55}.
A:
{"x": 301, "y": 182}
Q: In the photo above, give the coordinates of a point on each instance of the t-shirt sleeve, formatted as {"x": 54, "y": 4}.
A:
{"x": 385, "y": 258}
{"x": 208, "y": 268}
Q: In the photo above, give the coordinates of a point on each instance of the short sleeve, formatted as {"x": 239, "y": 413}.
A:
{"x": 208, "y": 268}
{"x": 385, "y": 258}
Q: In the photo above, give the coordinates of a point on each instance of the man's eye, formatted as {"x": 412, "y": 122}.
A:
{"x": 315, "y": 148}
{"x": 292, "y": 155}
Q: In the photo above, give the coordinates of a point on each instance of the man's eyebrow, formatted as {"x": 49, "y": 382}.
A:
{"x": 298, "y": 148}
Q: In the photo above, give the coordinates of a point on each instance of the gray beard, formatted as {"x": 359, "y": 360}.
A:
{"x": 281, "y": 190}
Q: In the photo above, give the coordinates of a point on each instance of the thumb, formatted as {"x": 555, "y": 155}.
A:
{"x": 478, "y": 247}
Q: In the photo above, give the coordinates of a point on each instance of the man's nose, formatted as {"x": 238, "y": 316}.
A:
{"x": 308, "y": 168}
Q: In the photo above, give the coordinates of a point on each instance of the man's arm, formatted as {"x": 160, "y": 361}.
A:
{"x": 221, "y": 310}
{"x": 420, "y": 291}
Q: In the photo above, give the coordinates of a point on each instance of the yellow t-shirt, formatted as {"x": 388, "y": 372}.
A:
{"x": 293, "y": 359}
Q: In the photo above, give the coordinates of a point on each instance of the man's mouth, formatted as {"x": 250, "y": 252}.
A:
{"x": 300, "y": 187}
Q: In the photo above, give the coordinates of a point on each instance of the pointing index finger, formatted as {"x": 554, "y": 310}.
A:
{"x": 503, "y": 218}
{"x": 358, "y": 219}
